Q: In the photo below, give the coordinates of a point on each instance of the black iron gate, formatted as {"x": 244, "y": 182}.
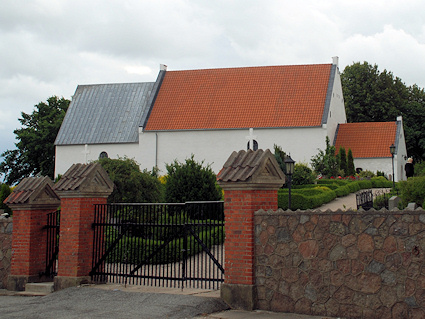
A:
{"x": 169, "y": 245}
{"x": 52, "y": 246}
{"x": 377, "y": 199}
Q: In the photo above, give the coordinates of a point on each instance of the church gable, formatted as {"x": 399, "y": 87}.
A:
{"x": 367, "y": 139}
{"x": 257, "y": 97}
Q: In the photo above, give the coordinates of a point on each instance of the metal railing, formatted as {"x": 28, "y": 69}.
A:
{"x": 170, "y": 245}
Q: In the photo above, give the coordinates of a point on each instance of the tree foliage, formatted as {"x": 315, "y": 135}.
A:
{"x": 374, "y": 96}
{"x": 303, "y": 175}
{"x": 343, "y": 161}
{"x": 325, "y": 162}
{"x": 35, "y": 153}
{"x": 351, "y": 170}
{"x": 4, "y": 192}
{"x": 190, "y": 181}
{"x": 131, "y": 185}
{"x": 280, "y": 156}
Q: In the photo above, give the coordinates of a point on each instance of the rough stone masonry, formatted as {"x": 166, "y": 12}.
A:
{"x": 353, "y": 264}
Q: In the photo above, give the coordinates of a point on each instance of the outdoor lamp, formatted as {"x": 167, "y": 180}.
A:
{"x": 392, "y": 151}
{"x": 289, "y": 163}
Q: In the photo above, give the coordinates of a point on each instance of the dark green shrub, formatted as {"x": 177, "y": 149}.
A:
{"x": 131, "y": 185}
{"x": 364, "y": 183}
{"x": 326, "y": 163}
{"x": 280, "y": 156}
{"x": 190, "y": 181}
{"x": 420, "y": 169}
{"x": 342, "y": 191}
{"x": 366, "y": 174}
{"x": 343, "y": 161}
{"x": 302, "y": 175}
{"x": 381, "y": 182}
{"x": 305, "y": 198}
{"x": 413, "y": 190}
{"x": 351, "y": 171}
{"x": 353, "y": 186}
{"x": 4, "y": 193}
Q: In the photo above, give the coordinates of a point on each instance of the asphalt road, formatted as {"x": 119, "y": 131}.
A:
{"x": 85, "y": 302}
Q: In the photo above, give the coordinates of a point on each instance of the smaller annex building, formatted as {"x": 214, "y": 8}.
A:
{"x": 370, "y": 144}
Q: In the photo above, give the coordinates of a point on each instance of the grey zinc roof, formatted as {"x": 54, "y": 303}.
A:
{"x": 105, "y": 113}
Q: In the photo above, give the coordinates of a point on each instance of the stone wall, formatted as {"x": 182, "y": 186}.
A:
{"x": 5, "y": 249}
{"x": 351, "y": 264}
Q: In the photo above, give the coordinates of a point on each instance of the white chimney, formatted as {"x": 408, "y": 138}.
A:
{"x": 335, "y": 60}
{"x": 163, "y": 67}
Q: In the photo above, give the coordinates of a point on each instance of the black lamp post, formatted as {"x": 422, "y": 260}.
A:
{"x": 289, "y": 162}
{"x": 392, "y": 151}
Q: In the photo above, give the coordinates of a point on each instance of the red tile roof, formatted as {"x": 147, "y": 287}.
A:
{"x": 274, "y": 96}
{"x": 369, "y": 139}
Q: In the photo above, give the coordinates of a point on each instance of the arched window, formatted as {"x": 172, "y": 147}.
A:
{"x": 103, "y": 155}
{"x": 255, "y": 147}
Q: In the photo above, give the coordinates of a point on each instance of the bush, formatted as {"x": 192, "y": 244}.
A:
{"x": 190, "y": 181}
{"x": 131, "y": 185}
{"x": 4, "y": 193}
{"x": 420, "y": 169}
{"x": 413, "y": 190}
{"x": 381, "y": 182}
{"x": 366, "y": 174}
{"x": 305, "y": 198}
{"x": 303, "y": 175}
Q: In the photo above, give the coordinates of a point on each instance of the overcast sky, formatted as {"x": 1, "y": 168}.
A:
{"x": 48, "y": 47}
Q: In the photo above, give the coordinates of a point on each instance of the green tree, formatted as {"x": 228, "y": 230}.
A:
{"x": 280, "y": 156}
{"x": 4, "y": 192}
{"x": 371, "y": 95}
{"x": 35, "y": 151}
{"x": 343, "y": 161}
{"x": 131, "y": 185}
{"x": 190, "y": 181}
{"x": 325, "y": 162}
{"x": 351, "y": 170}
{"x": 303, "y": 175}
{"x": 413, "y": 113}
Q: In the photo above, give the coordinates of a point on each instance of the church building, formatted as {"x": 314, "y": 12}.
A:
{"x": 212, "y": 112}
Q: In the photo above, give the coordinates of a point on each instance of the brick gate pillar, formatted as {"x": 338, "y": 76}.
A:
{"x": 80, "y": 188}
{"x": 250, "y": 180}
{"x": 30, "y": 202}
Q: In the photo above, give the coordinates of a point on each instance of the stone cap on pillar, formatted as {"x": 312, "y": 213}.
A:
{"x": 251, "y": 170}
{"x": 33, "y": 193}
{"x": 84, "y": 180}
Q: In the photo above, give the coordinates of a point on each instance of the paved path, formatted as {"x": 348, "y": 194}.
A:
{"x": 348, "y": 202}
{"x": 117, "y": 301}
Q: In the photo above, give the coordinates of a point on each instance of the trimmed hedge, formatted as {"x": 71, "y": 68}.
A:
{"x": 305, "y": 198}
{"x": 326, "y": 190}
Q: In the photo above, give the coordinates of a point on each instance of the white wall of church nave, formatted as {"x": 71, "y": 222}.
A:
{"x": 66, "y": 155}
{"x": 215, "y": 146}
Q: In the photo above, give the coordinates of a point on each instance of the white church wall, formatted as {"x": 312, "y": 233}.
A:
{"x": 215, "y": 146}
{"x": 337, "y": 109}
{"x": 66, "y": 155}
{"x": 377, "y": 164}
{"x": 401, "y": 156}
